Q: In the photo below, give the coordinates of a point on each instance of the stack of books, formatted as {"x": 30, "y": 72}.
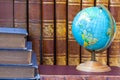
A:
{"x": 17, "y": 60}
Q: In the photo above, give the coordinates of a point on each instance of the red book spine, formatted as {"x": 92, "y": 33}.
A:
{"x": 35, "y": 25}
{"x": 48, "y": 32}
{"x": 6, "y": 13}
{"x": 60, "y": 32}
{"x": 20, "y": 15}
{"x": 114, "y": 51}
{"x": 74, "y": 7}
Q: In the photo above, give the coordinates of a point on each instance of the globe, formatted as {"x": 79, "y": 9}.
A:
{"x": 94, "y": 29}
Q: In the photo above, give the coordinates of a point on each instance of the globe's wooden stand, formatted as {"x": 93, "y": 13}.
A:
{"x": 93, "y": 66}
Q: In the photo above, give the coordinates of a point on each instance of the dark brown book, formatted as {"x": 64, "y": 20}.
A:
{"x": 13, "y": 38}
{"x": 70, "y": 73}
{"x": 16, "y": 56}
{"x": 35, "y": 26}
{"x": 86, "y": 55}
{"x": 34, "y": 18}
{"x": 48, "y": 32}
{"x": 74, "y": 7}
{"x": 60, "y": 6}
{"x": 20, "y": 15}
{"x": 114, "y": 50}
{"x": 6, "y": 13}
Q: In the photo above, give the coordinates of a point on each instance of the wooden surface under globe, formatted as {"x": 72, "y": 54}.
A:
{"x": 93, "y": 66}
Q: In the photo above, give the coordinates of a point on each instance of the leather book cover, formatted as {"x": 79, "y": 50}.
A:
{"x": 20, "y": 13}
{"x": 86, "y": 55}
{"x": 12, "y": 38}
{"x": 74, "y": 6}
{"x": 48, "y": 32}
{"x": 114, "y": 50}
{"x": 34, "y": 18}
{"x": 60, "y": 8}
{"x": 35, "y": 25}
{"x": 19, "y": 72}
{"x": 6, "y": 13}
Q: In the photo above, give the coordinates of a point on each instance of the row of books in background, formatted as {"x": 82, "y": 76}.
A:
{"x": 17, "y": 59}
{"x": 49, "y": 26}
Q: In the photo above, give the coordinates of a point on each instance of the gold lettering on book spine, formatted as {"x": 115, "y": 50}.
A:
{"x": 61, "y": 30}
{"x": 48, "y": 30}
{"x": 70, "y": 31}
{"x": 74, "y": 59}
{"x": 115, "y": 61}
{"x": 61, "y": 59}
{"x": 48, "y": 59}
{"x": 76, "y": 1}
{"x": 117, "y": 36}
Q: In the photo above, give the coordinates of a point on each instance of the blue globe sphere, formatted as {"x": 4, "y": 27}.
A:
{"x": 94, "y": 28}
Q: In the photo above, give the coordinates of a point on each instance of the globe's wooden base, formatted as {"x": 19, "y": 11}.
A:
{"x": 93, "y": 66}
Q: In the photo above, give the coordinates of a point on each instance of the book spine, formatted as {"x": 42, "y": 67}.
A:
{"x": 102, "y": 56}
{"x": 86, "y": 55}
{"x": 114, "y": 50}
{"x": 48, "y": 32}
{"x": 35, "y": 25}
{"x": 60, "y": 8}
{"x": 87, "y": 3}
{"x": 20, "y": 15}
{"x": 6, "y": 13}
{"x": 36, "y": 48}
{"x": 74, "y": 7}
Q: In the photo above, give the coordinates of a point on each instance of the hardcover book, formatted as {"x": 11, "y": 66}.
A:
{"x": 114, "y": 50}
{"x": 60, "y": 8}
{"x": 17, "y": 56}
{"x": 35, "y": 26}
{"x": 19, "y": 72}
{"x": 34, "y": 19}
{"x": 74, "y": 6}
{"x": 48, "y": 32}
{"x": 12, "y": 38}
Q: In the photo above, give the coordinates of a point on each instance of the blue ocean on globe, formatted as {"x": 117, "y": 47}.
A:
{"x": 94, "y": 28}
